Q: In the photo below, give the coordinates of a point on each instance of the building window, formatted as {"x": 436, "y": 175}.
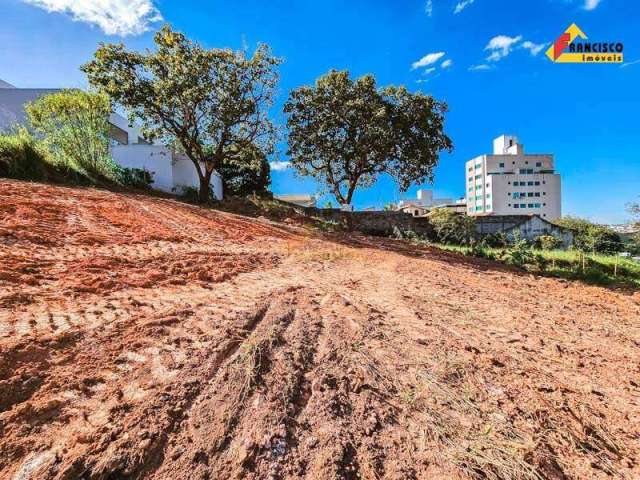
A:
{"x": 530, "y": 184}
{"x": 488, "y": 195}
{"x": 537, "y": 183}
{"x": 523, "y": 205}
{"x": 526, "y": 163}
{"x": 515, "y": 205}
{"x": 531, "y": 205}
{"x": 537, "y": 205}
{"x": 538, "y": 164}
{"x": 508, "y": 204}
{"x": 530, "y": 194}
{"x": 537, "y": 194}
{"x": 502, "y": 165}
{"x": 508, "y": 183}
{"x": 544, "y": 193}
{"x": 543, "y": 182}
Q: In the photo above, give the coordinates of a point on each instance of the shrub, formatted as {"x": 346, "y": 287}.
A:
{"x": 588, "y": 236}
{"x": 21, "y": 157}
{"x": 547, "y": 242}
{"x": 495, "y": 240}
{"x": 74, "y": 127}
{"x": 450, "y": 227}
{"x": 518, "y": 254}
{"x": 133, "y": 177}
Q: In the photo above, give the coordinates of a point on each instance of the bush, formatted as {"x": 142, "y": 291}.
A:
{"x": 450, "y": 227}
{"x": 547, "y": 242}
{"x": 495, "y": 240}
{"x": 133, "y": 177}
{"x": 74, "y": 127}
{"x": 590, "y": 237}
{"x": 518, "y": 254}
{"x": 21, "y": 157}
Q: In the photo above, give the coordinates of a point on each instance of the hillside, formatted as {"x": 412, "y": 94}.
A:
{"x": 145, "y": 338}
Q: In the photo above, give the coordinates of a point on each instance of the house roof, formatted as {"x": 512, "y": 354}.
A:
{"x": 514, "y": 221}
{"x": 4, "y": 84}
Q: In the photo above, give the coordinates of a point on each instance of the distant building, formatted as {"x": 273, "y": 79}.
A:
{"x": 425, "y": 203}
{"x": 510, "y": 182}
{"x": 302, "y": 200}
{"x": 527, "y": 227}
{"x": 171, "y": 171}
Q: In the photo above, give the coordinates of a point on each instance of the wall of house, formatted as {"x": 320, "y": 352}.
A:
{"x": 536, "y": 227}
{"x": 156, "y": 159}
{"x": 185, "y": 174}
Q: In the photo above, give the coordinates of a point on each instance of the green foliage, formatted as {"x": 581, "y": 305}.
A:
{"x": 591, "y": 237}
{"x": 133, "y": 177}
{"x": 21, "y": 157}
{"x": 247, "y": 174}
{"x": 450, "y": 227}
{"x": 211, "y": 104}
{"x": 547, "y": 242}
{"x": 495, "y": 240}
{"x": 74, "y": 127}
{"x": 345, "y": 133}
{"x": 518, "y": 254}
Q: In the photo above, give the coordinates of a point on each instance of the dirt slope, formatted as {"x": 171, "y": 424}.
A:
{"x": 144, "y": 338}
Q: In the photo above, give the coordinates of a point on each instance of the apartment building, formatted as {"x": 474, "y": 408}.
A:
{"x": 510, "y": 182}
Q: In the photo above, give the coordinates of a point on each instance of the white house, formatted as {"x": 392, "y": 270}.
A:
{"x": 510, "y": 182}
{"x": 171, "y": 172}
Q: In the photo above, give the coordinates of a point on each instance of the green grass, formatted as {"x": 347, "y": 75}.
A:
{"x": 598, "y": 269}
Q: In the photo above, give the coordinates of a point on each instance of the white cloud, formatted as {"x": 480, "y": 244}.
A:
{"x": 427, "y": 60}
{"x": 534, "y": 48}
{"x": 447, "y": 63}
{"x": 428, "y": 8}
{"x": 501, "y": 46}
{"x": 279, "y": 165}
{"x": 462, "y": 5}
{"x": 478, "y": 68}
{"x": 429, "y": 70}
{"x": 114, "y": 17}
{"x": 591, "y": 4}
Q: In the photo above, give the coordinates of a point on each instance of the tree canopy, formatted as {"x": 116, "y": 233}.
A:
{"x": 210, "y": 104}
{"x": 346, "y": 132}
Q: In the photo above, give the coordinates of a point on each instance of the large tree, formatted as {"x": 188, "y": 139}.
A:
{"x": 210, "y": 104}
{"x": 346, "y": 132}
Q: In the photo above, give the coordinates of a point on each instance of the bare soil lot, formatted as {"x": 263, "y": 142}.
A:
{"x": 145, "y": 338}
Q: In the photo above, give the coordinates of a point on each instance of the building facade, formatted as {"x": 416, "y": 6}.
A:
{"x": 171, "y": 171}
{"x": 510, "y": 182}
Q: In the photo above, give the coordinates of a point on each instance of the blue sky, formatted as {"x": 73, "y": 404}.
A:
{"x": 587, "y": 115}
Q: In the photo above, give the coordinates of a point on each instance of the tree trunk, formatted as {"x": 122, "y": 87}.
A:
{"x": 205, "y": 179}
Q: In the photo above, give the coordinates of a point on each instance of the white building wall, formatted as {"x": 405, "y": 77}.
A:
{"x": 156, "y": 159}
{"x": 171, "y": 173}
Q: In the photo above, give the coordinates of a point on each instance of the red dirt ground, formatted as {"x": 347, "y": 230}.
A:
{"x": 145, "y": 338}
